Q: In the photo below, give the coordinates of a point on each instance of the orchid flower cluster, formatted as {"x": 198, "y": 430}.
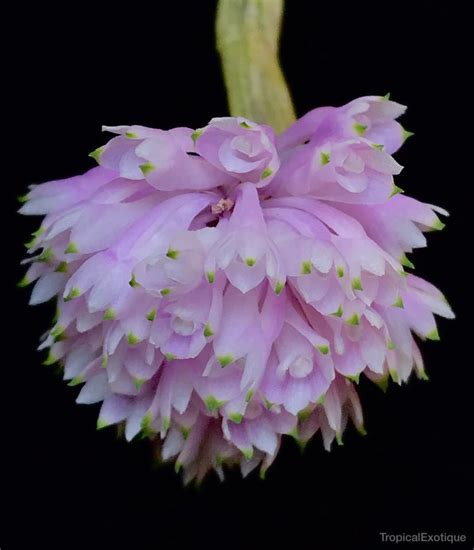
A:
{"x": 221, "y": 287}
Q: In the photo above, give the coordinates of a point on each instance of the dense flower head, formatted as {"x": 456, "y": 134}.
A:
{"x": 221, "y": 287}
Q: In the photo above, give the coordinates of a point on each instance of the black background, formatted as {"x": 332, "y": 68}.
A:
{"x": 73, "y": 67}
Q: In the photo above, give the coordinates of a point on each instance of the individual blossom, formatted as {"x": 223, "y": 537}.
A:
{"x": 240, "y": 148}
{"x": 350, "y": 171}
{"x": 220, "y": 288}
{"x": 370, "y": 117}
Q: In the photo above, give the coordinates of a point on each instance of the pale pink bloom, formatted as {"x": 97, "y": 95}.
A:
{"x": 239, "y": 147}
{"x": 217, "y": 289}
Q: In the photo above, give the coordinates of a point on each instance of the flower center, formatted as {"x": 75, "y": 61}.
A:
{"x": 301, "y": 366}
{"x": 243, "y": 146}
{"x": 353, "y": 163}
{"x": 185, "y": 327}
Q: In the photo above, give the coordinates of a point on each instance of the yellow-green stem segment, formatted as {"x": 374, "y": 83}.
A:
{"x": 247, "y": 33}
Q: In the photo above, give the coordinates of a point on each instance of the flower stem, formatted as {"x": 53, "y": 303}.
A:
{"x": 247, "y": 33}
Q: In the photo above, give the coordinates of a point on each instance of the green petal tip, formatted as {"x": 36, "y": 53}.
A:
{"x": 422, "y": 375}
{"x": 383, "y": 383}
{"x": 96, "y": 154}
{"x": 212, "y": 403}
{"x": 75, "y": 293}
{"x": 248, "y": 453}
{"x": 438, "y": 225}
{"x": 197, "y": 134}
{"x": 395, "y": 191}
{"x": 353, "y": 320}
{"x": 109, "y": 314}
{"x": 306, "y": 267}
{"x": 24, "y": 281}
{"x": 324, "y": 158}
{"x": 62, "y": 267}
{"x": 339, "y": 312}
{"x": 133, "y": 339}
{"x": 225, "y": 360}
{"x": 398, "y": 302}
{"x": 279, "y": 287}
{"x": 433, "y": 335}
{"x": 138, "y": 382}
{"x": 361, "y": 429}
{"x": 172, "y": 254}
{"x": 151, "y": 315}
{"x": 75, "y": 381}
{"x": 268, "y": 404}
{"x": 359, "y": 128}
{"x": 394, "y": 376}
{"x": 354, "y": 378}
{"x": 185, "y": 431}
{"x": 101, "y": 423}
{"x": 146, "y": 168}
{"x": 146, "y": 421}
{"x": 324, "y": 349}
{"x": 405, "y": 261}
{"x": 71, "y": 248}
{"x": 304, "y": 414}
{"x": 22, "y": 198}
{"x": 208, "y": 331}
{"x": 46, "y": 256}
{"x": 50, "y": 360}
{"x": 133, "y": 282}
{"x": 57, "y": 331}
{"x": 356, "y": 283}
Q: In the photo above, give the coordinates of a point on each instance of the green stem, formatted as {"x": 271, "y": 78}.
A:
{"x": 247, "y": 34}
